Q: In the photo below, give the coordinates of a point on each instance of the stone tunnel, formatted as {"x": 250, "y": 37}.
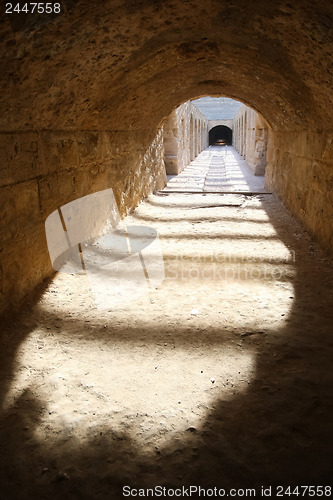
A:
{"x": 220, "y": 134}
{"x": 84, "y": 94}
{"x": 89, "y": 100}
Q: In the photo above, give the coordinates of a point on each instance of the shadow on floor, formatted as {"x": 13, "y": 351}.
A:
{"x": 277, "y": 432}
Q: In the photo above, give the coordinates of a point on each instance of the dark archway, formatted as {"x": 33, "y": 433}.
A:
{"x": 220, "y": 135}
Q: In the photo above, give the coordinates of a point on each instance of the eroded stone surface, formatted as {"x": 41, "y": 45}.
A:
{"x": 185, "y": 134}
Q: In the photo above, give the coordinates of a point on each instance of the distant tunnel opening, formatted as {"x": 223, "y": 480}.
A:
{"x": 220, "y": 135}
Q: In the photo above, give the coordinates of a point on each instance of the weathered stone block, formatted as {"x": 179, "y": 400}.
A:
{"x": 19, "y": 209}
{"x": 18, "y": 156}
{"x": 58, "y": 151}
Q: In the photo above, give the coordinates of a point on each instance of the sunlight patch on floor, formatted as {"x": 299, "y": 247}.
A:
{"x": 147, "y": 390}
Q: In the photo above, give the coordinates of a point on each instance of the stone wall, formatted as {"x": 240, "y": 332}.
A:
{"x": 41, "y": 171}
{"x": 300, "y": 170}
{"x": 215, "y": 123}
{"x": 250, "y": 138}
{"x": 185, "y": 136}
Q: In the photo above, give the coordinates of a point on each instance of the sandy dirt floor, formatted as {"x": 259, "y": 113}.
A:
{"x": 219, "y": 377}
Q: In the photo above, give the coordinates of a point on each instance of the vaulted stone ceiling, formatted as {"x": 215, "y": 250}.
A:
{"x": 127, "y": 64}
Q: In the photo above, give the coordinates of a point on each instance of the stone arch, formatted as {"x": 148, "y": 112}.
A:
{"x": 183, "y": 129}
{"x": 192, "y": 140}
{"x": 245, "y": 134}
{"x": 221, "y": 134}
{"x": 242, "y": 136}
{"x": 199, "y": 137}
{"x": 105, "y": 108}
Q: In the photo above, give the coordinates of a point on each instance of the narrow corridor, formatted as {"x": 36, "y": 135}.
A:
{"x": 217, "y": 169}
{"x": 219, "y": 373}
{"x": 160, "y": 333}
